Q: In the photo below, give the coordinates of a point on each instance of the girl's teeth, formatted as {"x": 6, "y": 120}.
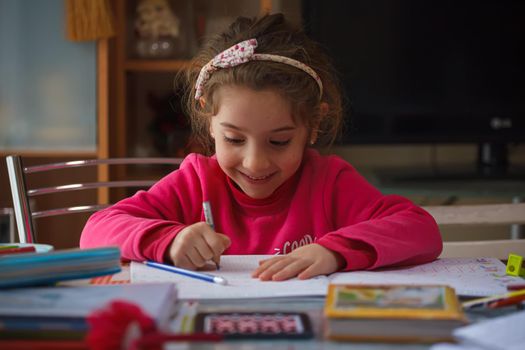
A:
{"x": 258, "y": 178}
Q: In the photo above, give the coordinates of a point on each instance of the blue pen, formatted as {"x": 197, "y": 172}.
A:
{"x": 197, "y": 275}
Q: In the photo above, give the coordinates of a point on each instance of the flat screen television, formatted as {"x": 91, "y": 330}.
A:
{"x": 428, "y": 71}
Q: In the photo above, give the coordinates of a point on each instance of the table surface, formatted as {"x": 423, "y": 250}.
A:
{"x": 313, "y": 306}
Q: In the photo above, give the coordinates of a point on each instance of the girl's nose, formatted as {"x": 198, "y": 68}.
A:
{"x": 256, "y": 160}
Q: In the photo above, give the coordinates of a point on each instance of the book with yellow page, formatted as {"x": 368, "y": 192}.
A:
{"x": 392, "y": 313}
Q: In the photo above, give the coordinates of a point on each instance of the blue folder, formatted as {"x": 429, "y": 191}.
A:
{"x": 32, "y": 269}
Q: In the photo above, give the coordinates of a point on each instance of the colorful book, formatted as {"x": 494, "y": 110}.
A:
{"x": 392, "y": 313}
{"x": 32, "y": 269}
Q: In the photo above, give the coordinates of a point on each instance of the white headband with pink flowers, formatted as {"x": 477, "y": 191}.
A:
{"x": 244, "y": 52}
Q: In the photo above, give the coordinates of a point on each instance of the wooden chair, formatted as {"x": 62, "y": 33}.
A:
{"x": 481, "y": 214}
{"x": 21, "y": 194}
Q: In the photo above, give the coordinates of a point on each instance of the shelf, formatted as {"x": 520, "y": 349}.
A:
{"x": 144, "y": 113}
{"x": 155, "y": 65}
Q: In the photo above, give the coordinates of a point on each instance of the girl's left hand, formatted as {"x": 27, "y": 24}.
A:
{"x": 305, "y": 262}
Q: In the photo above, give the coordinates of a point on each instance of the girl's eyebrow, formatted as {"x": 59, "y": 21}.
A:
{"x": 231, "y": 126}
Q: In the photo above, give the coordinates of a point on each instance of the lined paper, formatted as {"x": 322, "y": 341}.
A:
{"x": 468, "y": 276}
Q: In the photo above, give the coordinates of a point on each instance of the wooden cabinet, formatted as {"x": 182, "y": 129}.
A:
{"x": 142, "y": 114}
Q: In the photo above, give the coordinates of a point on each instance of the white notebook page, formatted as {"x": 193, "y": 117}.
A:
{"x": 237, "y": 270}
{"x": 468, "y": 276}
{"x": 500, "y": 333}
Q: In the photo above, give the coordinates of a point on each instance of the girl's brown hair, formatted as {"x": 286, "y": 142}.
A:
{"x": 274, "y": 36}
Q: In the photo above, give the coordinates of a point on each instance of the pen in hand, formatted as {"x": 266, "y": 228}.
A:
{"x": 206, "y": 206}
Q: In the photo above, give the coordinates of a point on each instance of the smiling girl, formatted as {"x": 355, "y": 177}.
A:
{"x": 260, "y": 94}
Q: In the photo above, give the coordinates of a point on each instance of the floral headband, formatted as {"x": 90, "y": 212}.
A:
{"x": 244, "y": 52}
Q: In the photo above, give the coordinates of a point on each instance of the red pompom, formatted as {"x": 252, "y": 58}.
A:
{"x": 117, "y": 326}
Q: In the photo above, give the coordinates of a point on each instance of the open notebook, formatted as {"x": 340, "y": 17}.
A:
{"x": 468, "y": 276}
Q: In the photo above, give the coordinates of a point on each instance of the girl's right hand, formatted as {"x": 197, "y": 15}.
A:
{"x": 197, "y": 244}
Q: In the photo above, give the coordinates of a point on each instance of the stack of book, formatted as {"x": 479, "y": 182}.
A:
{"x": 393, "y": 313}
{"x": 31, "y": 269}
{"x": 60, "y": 313}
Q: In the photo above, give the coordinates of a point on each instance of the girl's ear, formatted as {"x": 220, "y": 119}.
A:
{"x": 323, "y": 111}
{"x": 202, "y": 102}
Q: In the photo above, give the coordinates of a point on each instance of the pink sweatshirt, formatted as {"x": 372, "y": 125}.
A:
{"x": 326, "y": 202}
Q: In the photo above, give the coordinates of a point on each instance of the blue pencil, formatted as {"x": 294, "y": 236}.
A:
{"x": 193, "y": 274}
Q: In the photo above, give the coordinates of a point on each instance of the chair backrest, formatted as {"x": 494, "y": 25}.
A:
{"x": 481, "y": 214}
{"x": 21, "y": 194}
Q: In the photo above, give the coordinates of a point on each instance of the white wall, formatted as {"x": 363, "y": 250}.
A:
{"x": 47, "y": 84}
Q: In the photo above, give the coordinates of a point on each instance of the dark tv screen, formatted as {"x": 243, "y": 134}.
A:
{"x": 426, "y": 71}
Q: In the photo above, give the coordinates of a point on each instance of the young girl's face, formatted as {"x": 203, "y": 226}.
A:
{"x": 257, "y": 143}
